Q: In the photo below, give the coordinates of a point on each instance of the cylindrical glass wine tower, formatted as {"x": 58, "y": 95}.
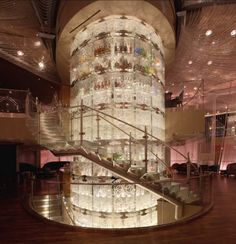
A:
{"x": 117, "y": 67}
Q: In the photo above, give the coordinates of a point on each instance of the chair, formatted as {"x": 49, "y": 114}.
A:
{"x": 51, "y": 168}
{"x": 27, "y": 167}
{"x": 231, "y": 169}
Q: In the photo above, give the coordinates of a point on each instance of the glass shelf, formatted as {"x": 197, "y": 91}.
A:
{"x": 119, "y": 70}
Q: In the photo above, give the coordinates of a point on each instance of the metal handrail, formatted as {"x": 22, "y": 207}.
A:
{"x": 136, "y": 141}
{"x": 126, "y": 123}
{"x": 67, "y": 212}
{"x": 82, "y": 107}
{"x": 206, "y": 175}
{"x": 204, "y": 197}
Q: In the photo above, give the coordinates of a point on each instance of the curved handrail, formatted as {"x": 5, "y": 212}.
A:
{"x": 136, "y": 141}
{"x": 194, "y": 95}
{"x": 206, "y": 175}
{"x": 204, "y": 200}
{"x": 136, "y": 128}
{"x": 126, "y": 123}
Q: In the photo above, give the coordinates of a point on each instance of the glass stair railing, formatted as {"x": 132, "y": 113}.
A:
{"x": 151, "y": 173}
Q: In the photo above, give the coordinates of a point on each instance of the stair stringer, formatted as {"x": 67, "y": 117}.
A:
{"x": 149, "y": 186}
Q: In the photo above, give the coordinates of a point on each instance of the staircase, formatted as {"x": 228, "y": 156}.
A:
{"x": 170, "y": 191}
{"x": 49, "y": 206}
{"x": 50, "y": 129}
{"x": 46, "y": 127}
{"x": 51, "y": 136}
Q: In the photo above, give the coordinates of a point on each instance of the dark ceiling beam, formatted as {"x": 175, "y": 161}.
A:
{"x": 180, "y": 18}
{"x": 46, "y": 12}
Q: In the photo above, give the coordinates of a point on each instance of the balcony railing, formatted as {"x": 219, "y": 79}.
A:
{"x": 69, "y": 202}
{"x": 15, "y": 103}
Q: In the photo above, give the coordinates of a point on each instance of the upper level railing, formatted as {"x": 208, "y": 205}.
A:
{"x": 16, "y": 102}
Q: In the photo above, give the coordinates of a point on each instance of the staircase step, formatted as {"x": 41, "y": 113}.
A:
{"x": 49, "y": 213}
{"x": 52, "y": 136}
{"x": 175, "y": 187}
{"x": 138, "y": 171}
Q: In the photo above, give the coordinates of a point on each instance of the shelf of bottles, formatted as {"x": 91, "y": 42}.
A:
{"x": 101, "y": 204}
{"x": 117, "y": 67}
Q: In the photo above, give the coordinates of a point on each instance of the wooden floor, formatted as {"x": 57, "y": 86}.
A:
{"x": 217, "y": 226}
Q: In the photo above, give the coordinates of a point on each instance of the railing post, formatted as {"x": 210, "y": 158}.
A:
{"x": 145, "y": 148}
{"x": 32, "y": 188}
{"x": 130, "y": 149}
{"x": 39, "y": 127}
{"x": 27, "y": 109}
{"x": 188, "y": 167}
{"x": 59, "y": 112}
{"x": 81, "y": 123}
{"x": 98, "y": 129}
{"x": 71, "y": 125}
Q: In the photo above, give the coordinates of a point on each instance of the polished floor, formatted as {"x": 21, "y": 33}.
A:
{"x": 217, "y": 226}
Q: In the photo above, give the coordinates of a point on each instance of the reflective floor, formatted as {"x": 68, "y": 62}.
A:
{"x": 217, "y": 226}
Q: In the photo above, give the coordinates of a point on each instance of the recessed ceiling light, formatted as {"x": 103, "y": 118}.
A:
{"x": 208, "y": 32}
{"x": 74, "y": 69}
{"x": 233, "y": 33}
{"x": 41, "y": 65}
{"x": 37, "y": 43}
{"x": 20, "y": 53}
{"x": 190, "y": 62}
{"x": 173, "y": 84}
{"x": 195, "y": 88}
{"x": 213, "y": 43}
{"x": 209, "y": 62}
{"x": 186, "y": 94}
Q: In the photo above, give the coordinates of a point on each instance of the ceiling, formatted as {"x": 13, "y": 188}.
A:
{"x": 20, "y": 38}
{"x": 204, "y": 64}
{"x": 206, "y": 55}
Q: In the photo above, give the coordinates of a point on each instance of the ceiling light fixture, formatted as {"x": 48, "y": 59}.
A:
{"x": 208, "y": 32}
{"x": 209, "y": 62}
{"x": 41, "y": 65}
{"x": 233, "y": 33}
{"x": 37, "y": 43}
{"x": 195, "y": 88}
{"x": 213, "y": 43}
{"x": 190, "y": 62}
{"x": 20, "y": 53}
